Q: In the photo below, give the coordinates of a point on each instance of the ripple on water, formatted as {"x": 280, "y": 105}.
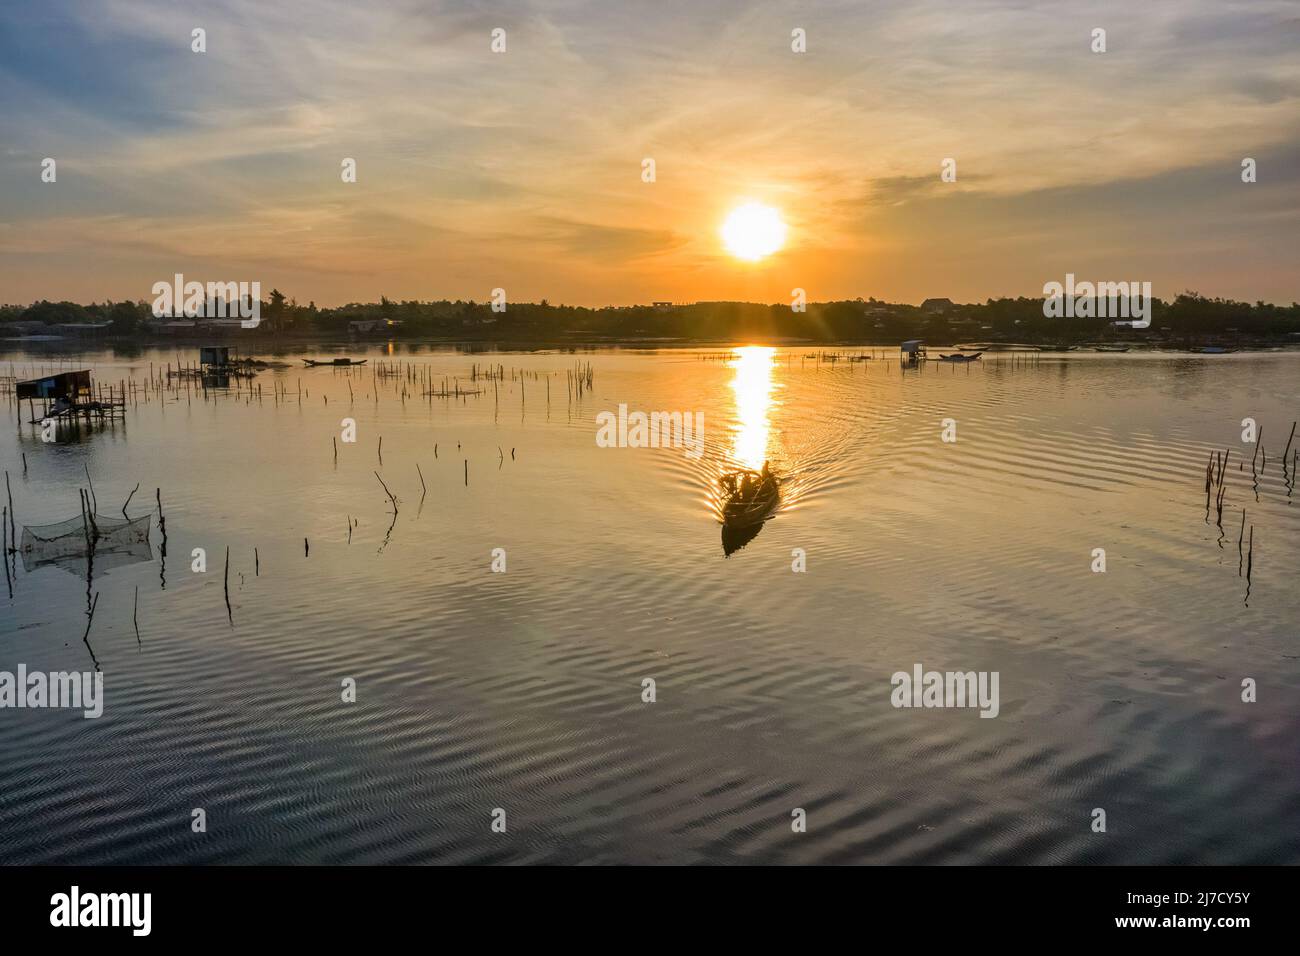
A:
{"x": 524, "y": 690}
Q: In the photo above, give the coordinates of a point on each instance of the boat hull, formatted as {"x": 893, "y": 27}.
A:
{"x": 741, "y": 514}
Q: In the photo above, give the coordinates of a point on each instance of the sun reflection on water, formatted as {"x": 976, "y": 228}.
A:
{"x": 753, "y": 388}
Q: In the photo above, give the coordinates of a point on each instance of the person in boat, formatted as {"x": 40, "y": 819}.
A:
{"x": 747, "y": 487}
{"x": 768, "y": 477}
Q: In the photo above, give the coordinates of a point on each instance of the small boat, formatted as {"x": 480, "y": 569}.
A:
{"x": 1215, "y": 350}
{"x": 258, "y": 363}
{"x": 336, "y": 363}
{"x": 973, "y": 356}
{"x": 1110, "y": 348}
{"x": 743, "y": 512}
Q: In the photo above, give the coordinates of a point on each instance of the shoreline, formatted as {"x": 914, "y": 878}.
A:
{"x": 248, "y": 345}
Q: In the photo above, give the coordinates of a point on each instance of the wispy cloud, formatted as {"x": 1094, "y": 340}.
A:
{"x": 474, "y": 166}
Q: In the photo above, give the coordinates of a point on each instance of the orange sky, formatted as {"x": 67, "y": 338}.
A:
{"x": 523, "y": 169}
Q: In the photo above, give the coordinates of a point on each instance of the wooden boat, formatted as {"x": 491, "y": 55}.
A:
{"x": 336, "y": 363}
{"x": 741, "y": 512}
{"x": 1215, "y": 350}
{"x": 973, "y": 356}
{"x": 1111, "y": 348}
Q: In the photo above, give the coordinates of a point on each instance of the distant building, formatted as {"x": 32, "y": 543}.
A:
{"x": 372, "y": 326}
{"x": 82, "y": 328}
{"x": 663, "y": 306}
{"x": 937, "y": 306}
{"x": 178, "y": 327}
{"x": 26, "y": 328}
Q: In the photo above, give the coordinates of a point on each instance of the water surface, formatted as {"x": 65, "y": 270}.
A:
{"x": 523, "y": 690}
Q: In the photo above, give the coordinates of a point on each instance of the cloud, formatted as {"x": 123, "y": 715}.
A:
{"x": 465, "y": 156}
{"x": 609, "y": 244}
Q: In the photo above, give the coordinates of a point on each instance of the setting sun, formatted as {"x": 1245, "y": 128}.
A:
{"x": 753, "y": 231}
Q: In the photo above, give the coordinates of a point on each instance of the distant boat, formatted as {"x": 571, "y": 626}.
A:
{"x": 1111, "y": 348}
{"x": 744, "y": 512}
{"x": 344, "y": 362}
{"x": 1215, "y": 350}
{"x": 974, "y": 356}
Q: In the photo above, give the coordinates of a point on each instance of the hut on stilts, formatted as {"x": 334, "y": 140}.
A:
{"x": 68, "y": 395}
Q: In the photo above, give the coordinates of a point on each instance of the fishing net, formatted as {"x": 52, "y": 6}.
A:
{"x": 76, "y": 536}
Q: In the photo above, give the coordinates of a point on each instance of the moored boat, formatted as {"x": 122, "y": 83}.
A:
{"x": 336, "y": 363}
{"x": 973, "y": 356}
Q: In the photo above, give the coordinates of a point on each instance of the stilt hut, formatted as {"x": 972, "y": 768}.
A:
{"x": 214, "y": 357}
{"x": 66, "y": 395}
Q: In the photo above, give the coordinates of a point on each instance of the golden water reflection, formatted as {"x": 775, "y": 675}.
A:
{"x": 753, "y": 388}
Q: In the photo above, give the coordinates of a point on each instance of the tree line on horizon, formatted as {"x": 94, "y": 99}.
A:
{"x": 1021, "y": 319}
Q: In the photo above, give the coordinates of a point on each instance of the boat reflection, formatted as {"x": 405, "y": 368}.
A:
{"x": 733, "y": 539}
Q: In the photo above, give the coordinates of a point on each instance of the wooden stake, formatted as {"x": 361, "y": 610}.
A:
{"x": 94, "y": 503}
{"x": 128, "y": 500}
{"x": 10, "y": 494}
{"x": 226, "y": 585}
{"x": 90, "y": 619}
{"x": 389, "y": 493}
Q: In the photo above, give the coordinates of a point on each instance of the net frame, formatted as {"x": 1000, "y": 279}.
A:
{"x": 78, "y": 535}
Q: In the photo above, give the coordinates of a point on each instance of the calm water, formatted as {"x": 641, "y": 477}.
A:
{"x": 522, "y": 690}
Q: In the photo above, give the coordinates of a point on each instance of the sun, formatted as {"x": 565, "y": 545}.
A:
{"x": 753, "y": 231}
